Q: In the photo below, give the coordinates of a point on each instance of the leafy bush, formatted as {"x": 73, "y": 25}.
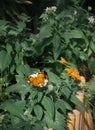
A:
{"x": 10, "y": 9}
{"x": 90, "y": 94}
{"x": 71, "y": 32}
{"x": 24, "y": 106}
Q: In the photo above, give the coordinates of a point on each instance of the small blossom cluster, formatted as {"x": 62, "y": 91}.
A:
{"x": 91, "y": 20}
{"x": 51, "y": 10}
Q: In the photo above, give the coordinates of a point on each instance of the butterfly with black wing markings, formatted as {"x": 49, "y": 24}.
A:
{"x": 39, "y": 79}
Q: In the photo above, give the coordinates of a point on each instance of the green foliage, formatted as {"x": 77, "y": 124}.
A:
{"x": 90, "y": 90}
{"x": 90, "y": 94}
{"x": 24, "y": 106}
{"x": 10, "y": 9}
{"x": 73, "y": 31}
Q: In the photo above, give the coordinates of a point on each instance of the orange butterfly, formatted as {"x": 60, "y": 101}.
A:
{"x": 39, "y": 79}
{"x": 73, "y": 72}
{"x": 62, "y": 60}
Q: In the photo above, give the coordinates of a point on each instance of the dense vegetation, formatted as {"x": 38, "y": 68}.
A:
{"x": 30, "y": 42}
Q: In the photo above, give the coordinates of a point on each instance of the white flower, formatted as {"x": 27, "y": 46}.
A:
{"x": 1, "y": 118}
{"x": 75, "y": 12}
{"x": 50, "y": 87}
{"x": 89, "y": 8}
{"x": 54, "y": 8}
{"x": 91, "y": 19}
{"x": 47, "y": 9}
{"x": 26, "y": 112}
{"x": 51, "y": 10}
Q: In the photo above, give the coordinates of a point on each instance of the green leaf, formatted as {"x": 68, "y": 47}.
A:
{"x": 14, "y": 107}
{"x": 60, "y": 122}
{"x": 24, "y": 69}
{"x": 13, "y": 32}
{"x": 67, "y": 105}
{"x": 73, "y": 34}
{"x": 33, "y": 94}
{"x": 17, "y": 47}
{"x": 64, "y": 106}
{"x": 93, "y": 112}
{"x": 38, "y": 111}
{"x": 16, "y": 122}
{"x": 3, "y": 27}
{"x": 23, "y": 17}
{"x": 9, "y": 48}
{"x": 53, "y": 77}
{"x": 23, "y": 89}
{"x": 45, "y": 32}
{"x": 77, "y": 34}
{"x": 48, "y": 121}
{"x": 92, "y": 46}
{"x": 59, "y": 104}
{"x": 16, "y": 87}
{"x": 40, "y": 46}
{"x": 37, "y": 127}
{"x": 5, "y": 60}
{"x": 49, "y": 106}
{"x": 3, "y": 23}
{"x": 56, "y": 46}
{"x": 40, "y": 95}
{"x": 21, "y": 26}
{"x": 90, "y": 89}
{"x": 66, "y": 91}
{"x": 76, "y": 101}
{"x": 91, "y": 64}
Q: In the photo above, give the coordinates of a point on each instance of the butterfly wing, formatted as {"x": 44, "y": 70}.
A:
{"x": 33, "y": 80}
{"x": 40, "y": 77}
{"x": 73, "y": 72}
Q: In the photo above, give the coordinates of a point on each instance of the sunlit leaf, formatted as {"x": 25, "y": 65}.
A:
{"x": 38, "y": 111}
{"x": 49, "y": 106}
